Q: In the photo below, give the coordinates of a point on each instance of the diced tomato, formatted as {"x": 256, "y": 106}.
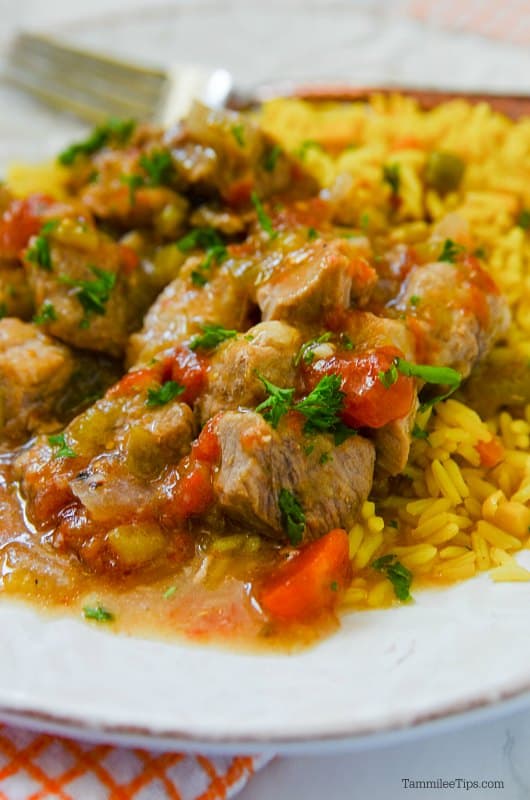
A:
{"x": 311, "y": 582}
{"x": 194, "y": 492}
{"x": 491, "y": 453}
{"x": 368, "y": 402}
{"x": 129, "y": 259}
{"x": 22, "y": 220}
{"x": 188, "y": 369}
{"x": 238, "y": 193}
{"x": 135, "y": 382}
{"x": 207, "y": 448}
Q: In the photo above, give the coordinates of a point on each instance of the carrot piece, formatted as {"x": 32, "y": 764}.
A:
{"x": 311, "y": 582}
{"x": 491, "y": 453}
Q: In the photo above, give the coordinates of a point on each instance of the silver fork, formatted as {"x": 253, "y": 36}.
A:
{"x": 95, "y": 87}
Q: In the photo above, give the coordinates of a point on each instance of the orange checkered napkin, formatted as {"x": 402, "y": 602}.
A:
{"x": 35, "y": 766}
{"x": 508, "y": 20}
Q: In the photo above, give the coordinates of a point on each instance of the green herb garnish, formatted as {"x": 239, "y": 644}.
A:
{"x": 345, "y": 342}
{"x": 169, "y": 592}
{"x": 115, "y": 129}
{"x": 164, "y": 394}
{"x": 322, "y": 407}
{"x": 450, "y": 251}
{"x": 523, "y": 219}
{"x": 391, "y": 175}
{"x": 3, "y": 310}
{"x": 292, "y": 516}
{"x": 207, "y": 239}
{"x": 312, "y": 234}
{"x": 58, "y": 440}
{"x": 263, "y": 218}
{"x": 399, "y": 576}
{"x": 238, "y": 132}
{"x": 46, "y": 313}
{"x": 39, "y": 253}
{"x": 93, "y": 294}
{"x": 415, "y": 300}
{"x": 438, "y": 375}
{"x": 419, "y": 433}
{"x": 98, "y": 614}
{"x": 306, "y": 353}
{"x": 158, "y": 166}
{"x": 134, "y": 182}
{"x": 270, "y": 159}
{"x": 212, "y": 335}
{"x": 308, "y": 144}
{"x": 277, "y": 403}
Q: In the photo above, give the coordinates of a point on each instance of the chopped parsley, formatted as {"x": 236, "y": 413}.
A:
{"x": 292, "y": 516}
{"x": 391, "y": 176}
{"x": 277, "y": 403}
{"x": 238, "y": 132}
{"x": 164, "y": 394}
{"x": 134, "y": 182}
{"x": 46, "y": 313}
{"x": 345, "y": 342}
{"x": 334, "y": 586}
{"x": 415, "y": 300}
{"x": 115, "y": 129}
{"x": 479, "y": 252}
{"x": 393, "y": 523}
{"x": 364, "y": 220}
{"x": 158, "y": 166}
{"x": 263, "y": 218}
{"x": 324, "y": 458}
{"x": 439, "y": 375}
{"x": 39, "y": 253}
{"x": 98, "y": 614}
{"x": 270, "y": 159}
{"x": 523, "y": 219}
{"x": 63, "y": 449}
{"x": 419, "y": 433}
{"x": 312, "y": 234}
{"x": 3, "y": 310}
{"x": 399, "y": 576}
{"x": 212, "y": 335}
{"x": 450, "y": 251}
{"x": 306, "y": 352}
{"x": 93, "y": 294}
{"x": 308, "y": 144}
{"x": 169, "y": 592}
{"x": 322, "y": 406}
{"x": 207, "y": 239}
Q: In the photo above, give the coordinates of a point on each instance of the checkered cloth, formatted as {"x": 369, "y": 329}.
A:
{"x": 35, "y": 766}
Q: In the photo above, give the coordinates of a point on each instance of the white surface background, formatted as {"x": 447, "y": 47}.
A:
{"x": 368, "y": 42}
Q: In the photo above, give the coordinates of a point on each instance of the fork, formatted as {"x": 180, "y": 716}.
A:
{"x": 95, "y": 87}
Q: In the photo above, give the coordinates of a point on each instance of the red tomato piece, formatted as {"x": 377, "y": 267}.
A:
{"x": 368, "y": 402}
{"x": 311, "y": 582}
{"x": 22, "y": 220}
{"x": 188, "y": 369}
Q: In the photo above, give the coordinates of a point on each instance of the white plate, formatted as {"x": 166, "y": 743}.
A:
{"x": 383, "y": 671}
{"x": 451, "y": 651}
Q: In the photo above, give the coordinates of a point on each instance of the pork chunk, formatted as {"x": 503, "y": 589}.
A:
{"x": 34, "y": 371}
{"x": 182, "y": 308}
{"x": 86, "y": 287}
{"x": 268, "y": 349}
{"x": 323, "y": 277}
{"x": 257, "y": 462}
{"x": 460, "y": 313}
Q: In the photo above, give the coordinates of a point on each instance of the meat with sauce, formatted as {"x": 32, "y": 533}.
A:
{"x": 268, "y": 350}
{"x": 34, "y": 371}
{"x": 257, "y": 462}
{"x": 324, "y": 277}
{"x": 459, "y": 310}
